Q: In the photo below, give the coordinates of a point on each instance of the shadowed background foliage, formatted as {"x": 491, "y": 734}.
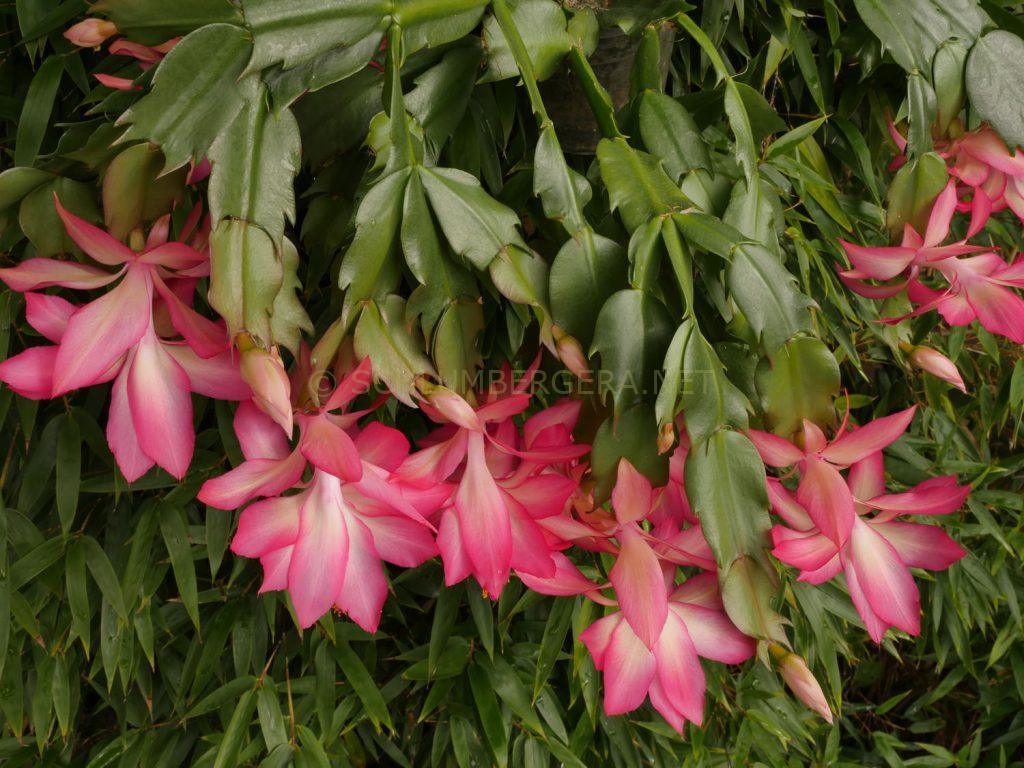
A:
{"x": 131, "y": 636}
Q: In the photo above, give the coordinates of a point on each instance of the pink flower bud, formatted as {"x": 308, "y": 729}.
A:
{"x": 449, "y": 404}
{"x": 91, "y": 32}
{"x": 571, "y": 353}
{"x": 798, "y": 677}
{"x": 938, "y": 365}
{"x": 264, "y": 372}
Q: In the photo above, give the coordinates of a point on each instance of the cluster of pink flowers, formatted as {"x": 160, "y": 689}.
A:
{"x": 142, "y": 334}
{"x": 491, "y": 490}
{"x": 328, "y": 494}
{"x": 848, "y": 524}
{"x": 962, "y": 281}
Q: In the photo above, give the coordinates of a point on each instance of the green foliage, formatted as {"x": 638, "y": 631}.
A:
{"x": 692, "y": 255}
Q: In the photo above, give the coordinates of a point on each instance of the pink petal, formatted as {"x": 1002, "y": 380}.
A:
{"x": 867, "y": 477}
{"x": 564, "y": 413}
{"x": 787, "y": 507}
{"x": 885, "y": 580}
{"x": 505, "y": 408}
{"x": 453, "y": 553}
{"x": 30, "y": 373}
{"x": 679, "y": 671}
{"x": 217, "y": 377}
{"x": 935, "y": 496}
{"x": 999, "y": 310}
{"x": 530, "y": 552}
{"x": 121, "y": 435}
{"x": 48, "y": 314}
{"x": 713, "y": 635}
{"x": 93, "y": 240}
{"x": 824, "y": 494}
{"x": 34, "y": 274}
{"x": 774, "y": 451}
{"x": 267, "y": 525}
{"x": 382, "y": 445}
{"x": 484, "y": 521}
{"x": 321, "y": 552}
{"x": 161, "y": 406}
{"x": 172, "y": 255}
{"x": 101, "y": 331}
{"x": 814, "y": 438}
{"x": 543, "y": 495}
{"x": 942, "y": 213}
{"x": 827, "y": 572}
{"x": 258, "y": 435}
{"x": 921, "y": 546}
{"x": 880, "y": 262}
{"x": 429, "y": 466}
{"x": 355, "y": 383}
{"x": 631, "y": 497}
{"x": 410, "y": 501}
{"x": 331, "y": 449}
{"x": 566, "y": 580}
{"x": 873, "y": 436}
{"x": 205, "y": 337}
{"x": 808, "y": 553}
{"x": 629, "y": 668}
{"x": 598, "y": 636}
{"x": 640, "y": 585}
{"x": 400, "y": 540}
{"x": 875, "y": 626}
{"x": 547, "y": 455}
{"x": 701, "y": 589}
{"x": 365, "y": 586}
{"x": 257, "y": 477}
{"x": 275, "y": 569}
{"x": 117, "y": 83}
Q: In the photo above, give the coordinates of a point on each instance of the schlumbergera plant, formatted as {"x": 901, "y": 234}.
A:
{"x": 581, "y": 375}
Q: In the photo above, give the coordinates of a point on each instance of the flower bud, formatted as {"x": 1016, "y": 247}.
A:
{"x": 666, "y": 437}
{"x": 798, "y": 677}
{"x": 938, "y": 365}
{"x": 91, "y": 32}
{"x": 571, "y": 353}
{"x": 264, "y": 372}
{"x": 449, "y": 404}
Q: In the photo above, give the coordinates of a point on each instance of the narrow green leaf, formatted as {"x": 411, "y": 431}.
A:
{"x": 69, "y": 471}
{"x": 365, "y": 688}
{"x": 175, "y": 535}
{"x": 35, "y": 112}
{"x": 104, "y": 576}
{"x": 489, "y": 713}
{"x": 555, "y": 629}
{"x": 78, "y": 593}
{"x": 235, "y": 733}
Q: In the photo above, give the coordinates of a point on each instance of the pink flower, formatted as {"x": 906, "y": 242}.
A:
{"x": 668, "y": 669}
{"x": 91, "y": 32}
{"x": 887, "y": 262}
{"x": 325, "y": 544}
{"x": 938, "y": 365}
{"x": 122, "y": 337}
{"x": 877, "y": 556}
{"x": 979, "y": 289}
{"x": 822, "y": 490}
{"x": 491, "y": 525}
